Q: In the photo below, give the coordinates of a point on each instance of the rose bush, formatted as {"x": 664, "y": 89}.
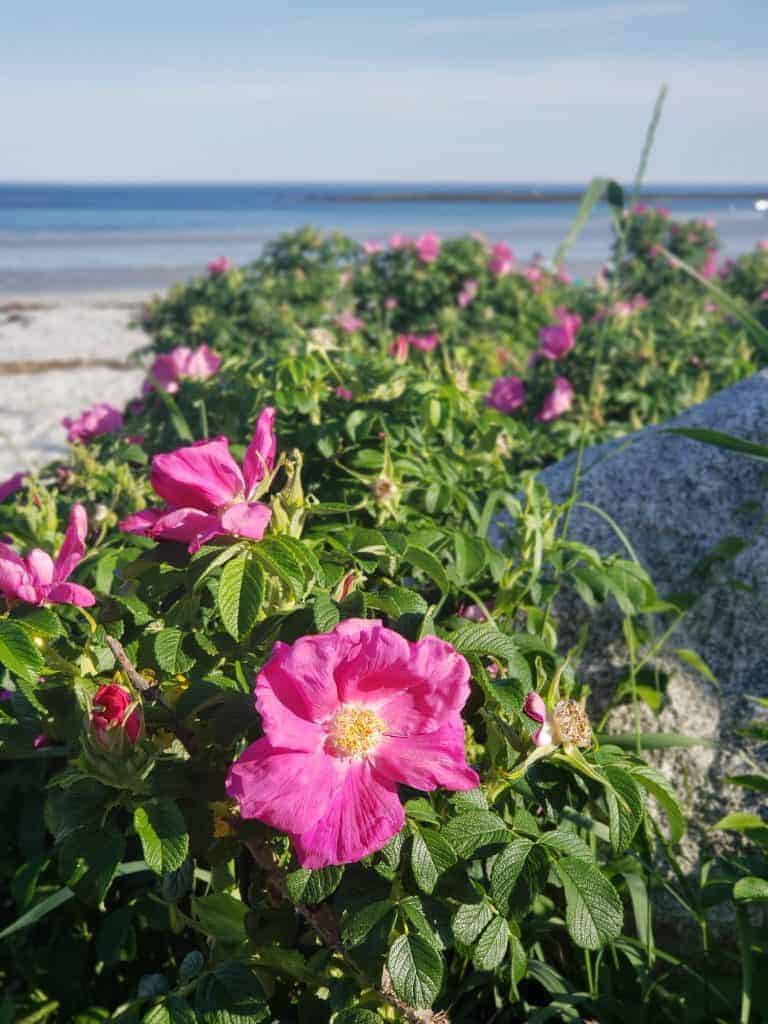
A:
{"x": 316, "y": 751}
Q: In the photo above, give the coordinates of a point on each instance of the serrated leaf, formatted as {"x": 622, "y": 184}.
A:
{"x": 508, "y": 867}
{"x": 479, "y": 638}
{"x": 221, "y": 916}
{"x": 88, "y": 861}
{"x": 469, "y": 921}
{"x": 412, "y": 909}
{"x": 162, "y": 830}
{"x": 660, "y": 788}
{"x": 169, "y": 653}
{"x": 626, "y": 806}
{"x": 594, "y": 913}
{"x": 467, "y": 832}
{"x": 18, "y": 652}
{"x": 174, "y": 1010}
{"x": 431, "y": 855}
{"x": 429, "y": 564}
{"x": 239, "y": 596}
{"x": 751, "y": 888}
{"x": 416, "y": 970}
{"x": 313, "y": 887}
{"x": 357, "y": 927}
{"x": 357, "y": 1016}
{"x": 492, "y": 945}
{"x": 567, "y": 843}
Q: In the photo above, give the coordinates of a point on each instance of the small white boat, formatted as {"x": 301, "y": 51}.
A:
{"x": 761, "y": 205}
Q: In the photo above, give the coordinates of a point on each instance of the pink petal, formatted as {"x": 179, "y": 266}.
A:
{"x": 202, "y": 476}
{"x": 73, "y": 548}
{"x": 40, "y": 566}
{"x": 376, "y": 660}
{"x": 535, "y": 707}
{"x": 202, "y": 363}
{"x": 70, "y": 593}
{"x": 11, "y": 485}
{"x": 364, "y": 815}
{"x": 259, "y": 459}
{"x": 182, "y": 524}
{"x": 289, "y": 790}
{"x": 15, "y": 582}
{"x": 142, "y": 522}
{"x": 244, "y": 520}
{"x": 429, "y": 760}
{"x": 296, "y": 691}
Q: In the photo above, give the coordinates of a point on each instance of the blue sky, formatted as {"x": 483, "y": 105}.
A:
{"x": 241, "y": 90}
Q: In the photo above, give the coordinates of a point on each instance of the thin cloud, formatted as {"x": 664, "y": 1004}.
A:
{"x": 526, "y": 21}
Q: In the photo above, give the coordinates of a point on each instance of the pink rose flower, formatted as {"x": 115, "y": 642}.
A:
{"x": 182, "y": 363}
{"x": 399, "y": 242}
{"x": 564, "y": 277}
{"x": 763, "y": 244}
{"x": 219, "y": 266}
{"x": 347, "y": 716}
{"x": 344, "y": 394}
{"x": 101, "y": 418}
{"x": 38, "y": 579}
{"x": 557, "y": 402}
{"x": 390, "y": 303}
{"x": 206, "y": 493}
{"x": 42, "y": 740}
{"x": 467, "y": 293}
{"x": 558, "y": 339}
{"x": 348, "y": 322}
{"x": 640, "y": 208}
{"x": 112, "y": 717}
{"x": 371, "y": 248}
{"x": 424, "y": 342}
{"x": 399, "y": 348}
{"x": 428, "y": 247}
{"x": 663, "y": 212}
{"x": 709, "y": 270}
{"x": 654, "y": 251}
{"x": 502, "y": 260}
{"x": 764, "y": 295}
{"x": 533, "y": 274}
{"x": 506, "y": 395}
{"x": 11, "y": 485}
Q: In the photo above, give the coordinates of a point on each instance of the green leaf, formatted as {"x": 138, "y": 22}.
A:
{"x": 176, "y": 416}
{"x": 696, "y": 661}
{"x": 720, "y": 440}
{"x": 492, "y": 945}
{"x": 653, "y": 740}
{"x": 174, "y": 1010}
{"x": 312, "y": 887}
{"x": 357, "y": 927}
{"x": 18, "y": 652}
{"x": 626, "y": 806}
{"x": 357, "y": 1016}
{"x": 168, "y": 651}
{"x": 480, "y": 638}
{"x": 466, "y": 832}
{"x": 507, "y": 869}
{"x": 469, "y": 921}
{"x": 38, "y": 912}
{"x": 470, "y": 554}
{"x": 162, "y": 830}
{"x": 88, "y": 861}
{"x": 221, "y": 916}
{"x": 240, "y": 593}
{"x": 431, "y": 855}
{"x": 568, "y": 843}
{"x": 661, "y": 789}
{"x": 594, "y": 913}
{"x": 755, "y": 780}
{"x": 416, "y": 970}
{"x": 740, "y": 821}
{"x": 751, "y": 888}
{"x": 42, "y": 621}
{"x": 413, "y": 911}
{"x": 429, "y": 564}
{"x": 594, "y": 193}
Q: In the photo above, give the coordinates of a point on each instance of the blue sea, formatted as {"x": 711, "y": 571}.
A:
{"x": 69, "y": 238}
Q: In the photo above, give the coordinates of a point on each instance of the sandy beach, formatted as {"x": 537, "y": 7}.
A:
{"x": 58, "y": 355}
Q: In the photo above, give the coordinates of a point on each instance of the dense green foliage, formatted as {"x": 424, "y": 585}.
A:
{"x": 131, "y": 890}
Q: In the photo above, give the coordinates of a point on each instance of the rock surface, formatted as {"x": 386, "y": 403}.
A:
{"x": 677, "y": 500}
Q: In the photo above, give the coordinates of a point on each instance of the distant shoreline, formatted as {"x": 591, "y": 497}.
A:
{"x": 516, "y": 196}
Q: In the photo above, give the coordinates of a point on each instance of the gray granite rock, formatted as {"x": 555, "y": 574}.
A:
{"x": 678, "y": 500}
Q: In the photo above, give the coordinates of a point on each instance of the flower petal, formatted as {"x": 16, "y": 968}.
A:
{"x": 296, "y": 691}
{"x": 202, "y": 476}
{"x": 40, "y": 566}
{"x": 73, "y": 548}
{"x": 287, "y": 789}
{"x": 247, "y": 520}
{"x": 535, "y": 707}
{"x": 259, "y": 459}
{"x": 70, "y": 593}
{"x": 15, "y": 581}
{"x": 428, "y": 761}
{"x": 364, "y": 815}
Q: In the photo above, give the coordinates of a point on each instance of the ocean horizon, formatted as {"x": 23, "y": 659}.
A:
{"x": 93, "y": 237}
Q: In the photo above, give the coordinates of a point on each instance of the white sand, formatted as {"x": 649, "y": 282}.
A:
{"x": 32, "y": 404}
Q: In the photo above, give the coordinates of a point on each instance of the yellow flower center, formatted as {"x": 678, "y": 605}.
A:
{"x": 355, "y": 731}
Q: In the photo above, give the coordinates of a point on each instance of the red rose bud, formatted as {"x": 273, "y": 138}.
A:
{"x": 111, "y": 715}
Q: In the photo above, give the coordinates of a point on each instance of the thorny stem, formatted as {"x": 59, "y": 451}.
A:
{"x": 322, "y": 921}
{"x": 151, "y": 690}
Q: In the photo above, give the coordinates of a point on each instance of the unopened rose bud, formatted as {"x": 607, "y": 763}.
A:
{"x": 115, "y": 717}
